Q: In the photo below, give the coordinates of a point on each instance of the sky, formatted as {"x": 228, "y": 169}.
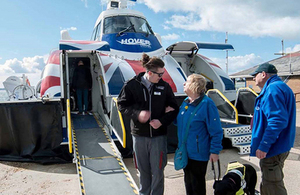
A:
{"x": 30, "y": 29}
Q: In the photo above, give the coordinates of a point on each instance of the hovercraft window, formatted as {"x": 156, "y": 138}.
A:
{"x": 116, "y": 24}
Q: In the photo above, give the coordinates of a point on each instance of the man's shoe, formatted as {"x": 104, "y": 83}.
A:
{"x": 79, "y": 113}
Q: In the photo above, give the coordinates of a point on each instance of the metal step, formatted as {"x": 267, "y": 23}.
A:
{"x": 239, "y": 135}
{"x": 240, "y": 139}
{"x": 230, "y": 130}
{"x": 243, "y": 148}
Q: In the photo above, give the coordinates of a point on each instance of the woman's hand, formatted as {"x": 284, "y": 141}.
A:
{"x": 214, "y": 157}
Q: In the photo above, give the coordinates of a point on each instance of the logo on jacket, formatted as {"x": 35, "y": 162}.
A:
{"x": 160, "y": 87}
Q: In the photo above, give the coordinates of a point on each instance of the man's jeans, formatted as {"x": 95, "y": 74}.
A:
{"x": 150, "y": 154}
{"x": 82, "y": 93}
{"x": 272, "y": 175}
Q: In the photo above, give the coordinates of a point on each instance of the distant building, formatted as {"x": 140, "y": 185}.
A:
{"x": 288, "y": 67}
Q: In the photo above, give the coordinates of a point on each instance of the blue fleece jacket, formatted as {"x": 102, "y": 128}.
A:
{"x": 274, "y": 120}
{"x": 205, "y": 133}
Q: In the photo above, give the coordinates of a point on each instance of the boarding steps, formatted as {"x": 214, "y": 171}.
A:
{"x": 239, "y": 135}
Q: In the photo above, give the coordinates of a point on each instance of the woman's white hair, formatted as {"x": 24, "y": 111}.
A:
{"x": 198, "y": 83}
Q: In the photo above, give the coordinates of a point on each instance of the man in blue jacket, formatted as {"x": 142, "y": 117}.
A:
{"x": 274, "y": 127}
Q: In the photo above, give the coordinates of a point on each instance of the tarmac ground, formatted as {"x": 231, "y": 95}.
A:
{"x": 33, "y": 178}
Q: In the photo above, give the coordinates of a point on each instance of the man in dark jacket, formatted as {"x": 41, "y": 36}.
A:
{"x": 82, "y": 83}
{"x": 151, "y": 105}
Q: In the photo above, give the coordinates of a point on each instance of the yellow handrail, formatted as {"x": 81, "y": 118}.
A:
{"x": 69, "y": 126}
{"x": 249, "y": 89}
{"x": 122, "y": 123}
{"x": 225, "y": 98}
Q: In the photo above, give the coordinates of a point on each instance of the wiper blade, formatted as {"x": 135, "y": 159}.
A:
{"x": 126, "y": 29}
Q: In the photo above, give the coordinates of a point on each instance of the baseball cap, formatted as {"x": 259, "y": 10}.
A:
{"x": 265, "y": 67}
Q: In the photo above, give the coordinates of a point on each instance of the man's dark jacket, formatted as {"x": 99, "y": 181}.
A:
{"x": 82, "y": 78}
{"x": 135, "y": 97}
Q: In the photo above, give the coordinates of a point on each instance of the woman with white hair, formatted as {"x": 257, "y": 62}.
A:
{"x": 204, "y": 140}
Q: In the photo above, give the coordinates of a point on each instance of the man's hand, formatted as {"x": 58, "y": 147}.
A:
{"x": 144, "y": 116}
{"x": 169, "y": 109}
{"x": 214, "y": 157}
{"x": 155, "y": 123}
{"x": 260, "y": 154}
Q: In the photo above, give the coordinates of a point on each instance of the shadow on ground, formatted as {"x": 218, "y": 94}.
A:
{"x": 68, "y": 168}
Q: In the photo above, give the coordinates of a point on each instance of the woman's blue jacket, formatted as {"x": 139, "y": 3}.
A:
{"x": 205, "y": 132}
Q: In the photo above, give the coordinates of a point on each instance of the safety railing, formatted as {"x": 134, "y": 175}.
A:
{"x": 118, "y": 123}
{"x": 69, "y": 126}
{"x": 244, "y": 103}
{"x": 227, "y": 111}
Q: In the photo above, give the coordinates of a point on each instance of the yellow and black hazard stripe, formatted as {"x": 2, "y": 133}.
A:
{"x": 115, "y": 153}
{"x": 78, "y": 163}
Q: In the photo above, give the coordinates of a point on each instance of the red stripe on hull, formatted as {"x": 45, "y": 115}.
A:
{"x": 207, "y": 60}
{"x": 138, "y": 68}
{"x": 106, "y": 67}
{"x": 80, "y": 42}
{"x": 166, "y": 77}
{"x": 213, "y": 64}
{"x": 102, "y": 54}
{"x": 54, "y": 58}
{"x": 49, "y": 81}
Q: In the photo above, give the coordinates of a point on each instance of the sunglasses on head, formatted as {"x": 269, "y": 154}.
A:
{"x": 159, "y": 74}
